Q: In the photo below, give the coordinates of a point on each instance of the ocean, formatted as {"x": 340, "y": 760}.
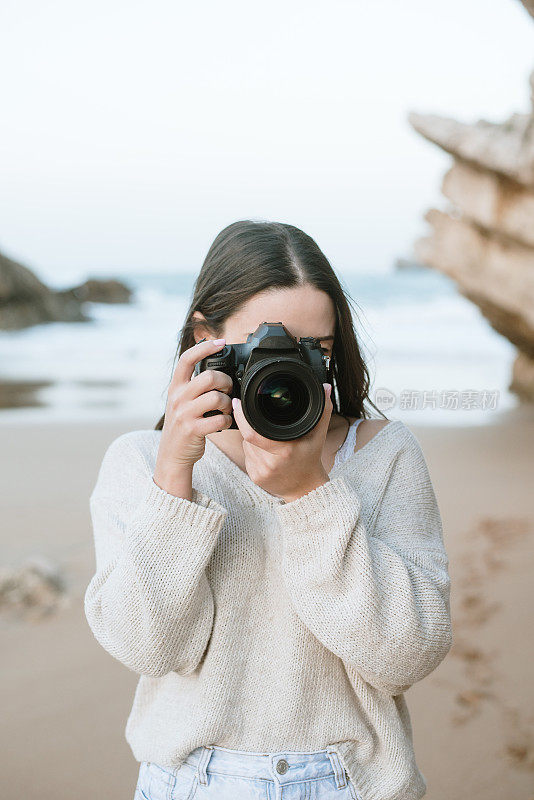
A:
{"x": 432, "y": 356}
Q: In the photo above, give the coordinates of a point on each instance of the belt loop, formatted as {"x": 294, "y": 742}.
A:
{"x": 205, "y": 756}
{"x": 339, "y": 769}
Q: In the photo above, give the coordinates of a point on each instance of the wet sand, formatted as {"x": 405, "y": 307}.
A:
{"x": 65, "y": 700}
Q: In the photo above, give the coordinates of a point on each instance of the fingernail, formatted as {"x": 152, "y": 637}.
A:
{"x": 328, "y": 388}
{"x": 219, "y": 341}
{"x": 235, "y": 401}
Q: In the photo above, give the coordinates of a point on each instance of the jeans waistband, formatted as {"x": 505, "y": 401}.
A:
{"x": 282, "y": 766}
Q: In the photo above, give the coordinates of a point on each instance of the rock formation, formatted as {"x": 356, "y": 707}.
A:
{"x": 25, "y": 300}
{"x": 100, "y": 291}
{"x": 484, "y": 240}
{"x": 34, "y": 589}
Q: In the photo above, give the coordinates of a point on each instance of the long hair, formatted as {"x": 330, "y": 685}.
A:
{"x": 248, "y": 257}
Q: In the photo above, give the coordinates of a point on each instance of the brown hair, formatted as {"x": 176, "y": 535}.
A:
{"x": 248, "y": 257}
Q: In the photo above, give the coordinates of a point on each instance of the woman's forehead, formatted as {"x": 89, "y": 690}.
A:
{"x": 303, "y": 310}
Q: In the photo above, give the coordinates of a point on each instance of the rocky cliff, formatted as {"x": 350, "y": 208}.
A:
{"x": 484, "y": 239}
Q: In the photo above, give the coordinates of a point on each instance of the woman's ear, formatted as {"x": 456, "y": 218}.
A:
{"x": 200, "y": 329}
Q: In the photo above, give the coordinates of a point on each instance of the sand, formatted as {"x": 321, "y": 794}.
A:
{"x": 65, "y": 700}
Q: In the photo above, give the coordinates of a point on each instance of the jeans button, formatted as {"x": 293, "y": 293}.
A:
{"x": 282, "y": 766}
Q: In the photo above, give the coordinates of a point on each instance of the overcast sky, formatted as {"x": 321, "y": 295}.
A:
{"x": 132, "y": 133}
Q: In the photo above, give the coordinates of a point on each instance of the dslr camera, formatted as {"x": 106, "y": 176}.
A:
{"x": 278, "y": 379}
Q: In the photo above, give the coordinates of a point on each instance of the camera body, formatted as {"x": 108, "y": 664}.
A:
{"x": 278, "y": 379}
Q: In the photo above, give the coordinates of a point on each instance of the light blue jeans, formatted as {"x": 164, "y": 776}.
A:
{"x": 217, "y": 773}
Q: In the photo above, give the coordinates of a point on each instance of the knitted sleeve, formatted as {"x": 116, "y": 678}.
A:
{"x": 149, "y": 603}
{"x": 376, "y": 594}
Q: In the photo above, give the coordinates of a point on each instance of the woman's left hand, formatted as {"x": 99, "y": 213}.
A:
{"x": 286, "y": 469}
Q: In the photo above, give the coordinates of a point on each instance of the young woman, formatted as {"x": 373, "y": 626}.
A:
{"x": 276, "y": 598}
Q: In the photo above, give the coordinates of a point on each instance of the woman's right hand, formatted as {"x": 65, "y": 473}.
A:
{"x": 182, "y": 441}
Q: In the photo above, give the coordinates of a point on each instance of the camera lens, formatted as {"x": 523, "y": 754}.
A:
{"x": 282, "y": 399}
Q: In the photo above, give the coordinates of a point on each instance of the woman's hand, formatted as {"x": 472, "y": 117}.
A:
{"x": 286, "y": 469}
{"x": 183, "y": 436}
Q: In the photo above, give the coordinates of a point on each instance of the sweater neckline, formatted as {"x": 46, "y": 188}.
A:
{"x": 253, "y": 489}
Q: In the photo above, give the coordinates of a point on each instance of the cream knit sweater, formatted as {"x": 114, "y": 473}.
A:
{"x": 261, "y": 625}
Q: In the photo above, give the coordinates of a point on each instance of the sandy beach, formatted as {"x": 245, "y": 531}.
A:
{"x": 65, "y": 700}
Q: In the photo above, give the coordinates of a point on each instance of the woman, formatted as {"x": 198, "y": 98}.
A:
{"x": 276, "y": 598}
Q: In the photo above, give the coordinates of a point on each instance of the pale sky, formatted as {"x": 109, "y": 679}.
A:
{"x": 132, "y": 133}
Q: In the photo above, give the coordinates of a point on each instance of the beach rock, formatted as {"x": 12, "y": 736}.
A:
{"x": 484, "y": 239}
{"x": 25, "y": 300}
{"x": 34, "y": 589}
{"x": 506, "y": 148}
{"x": 100, "y": 291}
{"x": 523, "y": 378}
{"x": 495, "y": 274}
{"x": 491, "y": 201}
